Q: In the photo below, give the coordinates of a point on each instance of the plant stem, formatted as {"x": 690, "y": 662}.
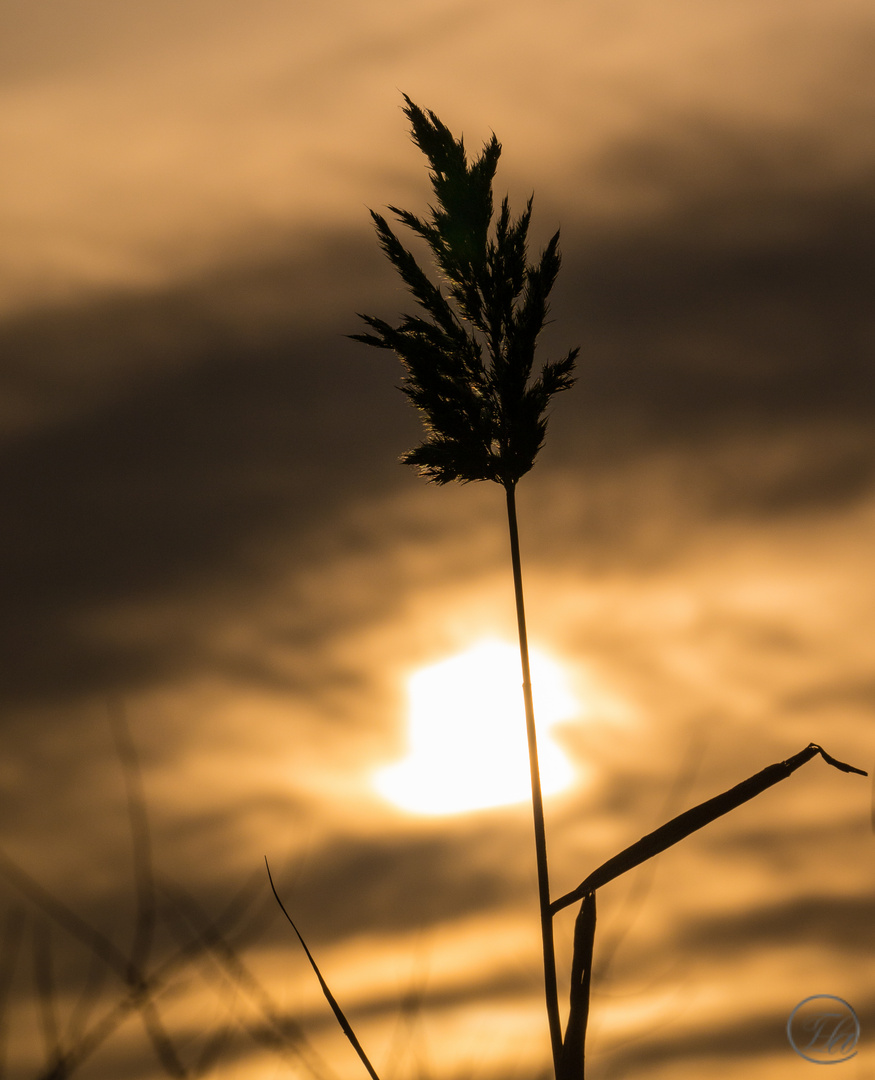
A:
{"x": 550, "y": 988}
{"x": 573, "y": 1048}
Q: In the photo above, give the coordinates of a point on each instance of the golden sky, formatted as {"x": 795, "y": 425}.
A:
{"x": 205, "y": 525}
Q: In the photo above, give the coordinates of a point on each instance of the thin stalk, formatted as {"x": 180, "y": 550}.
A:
{"x": 573, "y": 1049}
{"x": 141, "y": 841}
{"x": 550, "y": 988}
{"x": 345, "y": 1025}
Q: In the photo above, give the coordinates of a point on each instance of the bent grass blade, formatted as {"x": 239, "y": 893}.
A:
{"x": 345, "y": 1025}
{"x": 691, "y": 820}
{"x": 571, "y": 1063}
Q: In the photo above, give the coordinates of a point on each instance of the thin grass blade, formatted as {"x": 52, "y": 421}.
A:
{"x": 141, "y": 839}
{"x": 571, "y": 1060}
{"x": 329, "y": 997}
{"x": 44, "y": 978}
{"x": 691, "y": 820}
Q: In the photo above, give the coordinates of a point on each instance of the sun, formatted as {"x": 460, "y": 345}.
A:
{"x": 467, "y": 738}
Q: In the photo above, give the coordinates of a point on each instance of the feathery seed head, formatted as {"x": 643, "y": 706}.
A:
{"x": 469, "y": 354}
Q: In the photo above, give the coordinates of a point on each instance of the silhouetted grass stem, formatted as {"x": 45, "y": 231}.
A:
{"x": 571, "y": 1064}
{"x": 345, "y": 1025}
{"x": 550, "y": 988}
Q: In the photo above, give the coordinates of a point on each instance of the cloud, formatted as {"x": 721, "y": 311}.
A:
{"x": 203, "y": 511}
{"x": 168, "y": 440}
{"x": 145, "y": 145}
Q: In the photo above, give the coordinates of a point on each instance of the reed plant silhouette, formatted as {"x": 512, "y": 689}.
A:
{"x": 469, "y": 360}
{"x": 470, "y": 371}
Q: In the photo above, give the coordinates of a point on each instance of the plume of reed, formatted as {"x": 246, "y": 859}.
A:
{"x": 469, "y": 354}
{"x": 469, "y": 357}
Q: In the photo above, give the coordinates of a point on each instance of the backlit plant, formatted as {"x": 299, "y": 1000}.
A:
{"x": 469, "y": 359}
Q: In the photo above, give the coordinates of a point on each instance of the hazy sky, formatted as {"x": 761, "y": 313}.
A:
{"x": 204, "y": 522}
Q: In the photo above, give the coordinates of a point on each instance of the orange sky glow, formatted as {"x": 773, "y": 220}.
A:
{"x": 207, "y": 532}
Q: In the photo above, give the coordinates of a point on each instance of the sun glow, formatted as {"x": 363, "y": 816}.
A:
{"x": 467, "y": 735}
